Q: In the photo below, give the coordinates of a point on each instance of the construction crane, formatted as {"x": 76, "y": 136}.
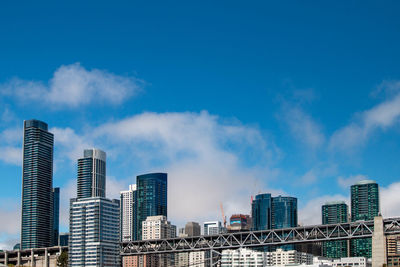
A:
{"x": 223, "y": 215}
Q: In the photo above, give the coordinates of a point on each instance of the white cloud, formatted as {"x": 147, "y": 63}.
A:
{"x": 346, "y": 182}
{"x": 11, "y": 155}
{"x": 390, "y": 200}
{"x": 380, "y": 117}
{"x": 303, "y": 127}
{"x": 203, "y": 156}
{"x": 73, "y": 86}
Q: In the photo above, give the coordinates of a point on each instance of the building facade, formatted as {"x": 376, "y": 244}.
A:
{"x": 94, "y": 232}
{"x": 56, "y": 215}
{"x": 242, "y": 257}
{"x": 284, "y": 212}
{"x": 213, "y": 228}
{"x": 37, "y": 220}
{"x": 239, "y": 222}
{"x": 151, "y": 198}
{"x": 261, "y": 212}
{"x": 92, "y": 174}
{"x": 393, "y": 250}
{"x": 128, "y": 213}
{"x": 335, "y": 212}
{"x": 352, "y": 262}
{"x": 192, "y": 229}
{"x": 364, "y": 206}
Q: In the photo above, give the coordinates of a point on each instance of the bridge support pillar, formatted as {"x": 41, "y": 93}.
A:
{"x": 19, "y": 258}
{"x": 46, "y": 258}
{"x": 379, "y": 257}
{"x": 5, "y": 257}
{"x": 32, "y": 258}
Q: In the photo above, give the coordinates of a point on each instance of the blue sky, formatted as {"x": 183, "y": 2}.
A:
{"x": 230, "y": 98}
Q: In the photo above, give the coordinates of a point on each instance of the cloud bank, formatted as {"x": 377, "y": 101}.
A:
{"x": 72, "y": 86}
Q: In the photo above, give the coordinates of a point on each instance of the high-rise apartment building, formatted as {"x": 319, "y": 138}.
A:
{"x": 335, "y": 212}
{"x": 94, "y": 221}
{"x": 128, "y": 213}
{"x": 92, "y": 174}
{"x": 364, "y": 206}
{"x": 56, "y": 215}
{"x": 151, "y": 198}
{"x": 37, "y": 228}
{"x": 94, "y": 232}
{"x": 261, "y": 212}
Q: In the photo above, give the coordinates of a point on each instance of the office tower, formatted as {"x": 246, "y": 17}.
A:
{"x": 192, "y": 229}
{"x": 151, "y": 198}
{"x": 37, "y": 186}
{"x": 239, "y": 222}
{"x": 335, "y": 212}
{"x": 364, "y": 206}
{"x": 284, "y": 212}
{"x": 213, "y": 228}
{"x": 63, "y": 239}
{"x": 128, "y": 214}
{"x": 94, "y": 232}
{"x": 92, "y": 174}
{"x": 157, "y": 227}
{"x": 261, "y": 212}
{"x": 94, "y": 221}
{"x": 56, "y": 215}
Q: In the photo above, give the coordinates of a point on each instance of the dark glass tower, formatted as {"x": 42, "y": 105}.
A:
{"x": 364, "y": 206}
{"x": 284, "y": 212}
{"x": 151, "y": 198}
{"x": 56, "y": 215}
{"x": 92, "y": 174}
{"x": 335, "y": 212}
{"x": 261, "y": 209}
{"x": 37, "y": 186}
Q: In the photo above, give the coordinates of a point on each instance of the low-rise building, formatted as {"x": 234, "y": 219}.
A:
{"x": 352, "y": 261}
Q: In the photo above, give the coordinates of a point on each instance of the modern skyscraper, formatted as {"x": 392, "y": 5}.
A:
{"x": 151, "y": 198}
{"x": 335, "y": 212}
{"x": 364, "y": 206}
{"x": 284, "y": 212}
{"x": 128, "y": 213}
{"x": 92, "y": 174}
{"x": 261, "y": 212}
{"x": 37, "y": 186}
{"x": 94, "y": 232}
{"x": 94, "y": 221}
{"x": 56, "y": 215}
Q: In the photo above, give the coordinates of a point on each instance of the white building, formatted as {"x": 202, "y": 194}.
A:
{"x": 242, "y": 257}
{"x": 94, "y": 232}
{"x": 128, "y": 216}
{"x": 352, "y": 261}
{"x": 213, "y": 228}
{"x": 197, "y": 259}
{"x": 291, "y": 257}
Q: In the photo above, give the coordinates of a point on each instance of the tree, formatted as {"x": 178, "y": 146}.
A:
{"x": 62, "y": 260}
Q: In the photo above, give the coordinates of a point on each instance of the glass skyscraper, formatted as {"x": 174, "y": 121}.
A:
{"x": 364, "y": 206}
{"x": 284, "y": 212}
{"x": 92, "y": 174}
{"x": 56, "y": 215}
{"x": 37, "y": 186}
{"x": 335, "y": 212}
{"x": 261, "y": 209}
{"x": 151, "y": 198}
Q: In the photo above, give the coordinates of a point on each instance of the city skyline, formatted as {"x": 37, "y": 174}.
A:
{"x": 229, "y": 99}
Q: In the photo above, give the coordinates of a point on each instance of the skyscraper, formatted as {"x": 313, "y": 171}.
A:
{"x": 128, "y": 213}
{"x": 284, "y": 212}
{"x": 151, "y": 198}
{"x": 192, "y": 229}
{"x": 335, "y": 212}
{"x": 56, "y": 215}
{"x": 364, "y": 206}
{"x": 261, "y": 212}
{"x": 37, "y": 186}
{"x": 92, "y": 174}
{"x": 94, "y": 221}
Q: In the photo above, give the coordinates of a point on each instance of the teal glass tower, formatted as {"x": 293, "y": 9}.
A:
{"x": 92, "y": 174}
{"x": 37, "y": 225}
{"x": 364, "y": 206}
{"x": 261, "y": 209}
{"x": 284, "y": 212}
{"x": 151, "y": 198}
{"x": 335, "y": 212}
